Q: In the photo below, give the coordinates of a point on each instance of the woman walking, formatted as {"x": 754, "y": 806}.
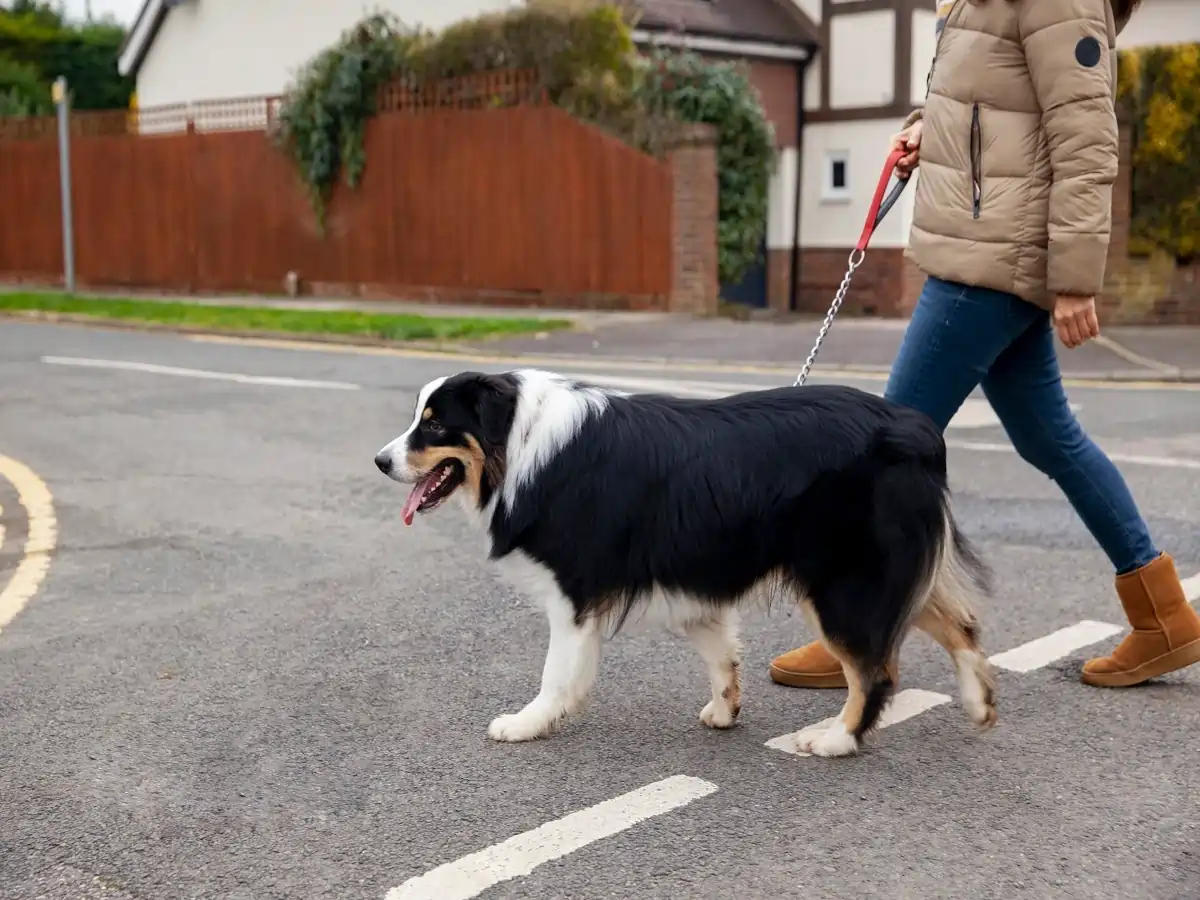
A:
{"x": 1019, "y": 140}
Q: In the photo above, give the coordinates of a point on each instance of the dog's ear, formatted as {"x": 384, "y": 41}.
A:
{"x": 495, "y": 407}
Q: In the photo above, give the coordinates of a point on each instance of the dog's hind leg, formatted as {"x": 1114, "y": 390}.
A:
{"x": 572, "y": 661}
{"x": 960, "y": 586}
{"x": 870, "y": 687}
{"x": 976, "y": 683}
{"x": 716, "y": 640}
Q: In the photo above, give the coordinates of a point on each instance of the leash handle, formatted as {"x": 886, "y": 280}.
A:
{"x": 881, "y": 205}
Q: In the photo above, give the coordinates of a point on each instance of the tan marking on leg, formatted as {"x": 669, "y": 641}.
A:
{"x": 856, "y": 698}
{"x": 733, "y": 691}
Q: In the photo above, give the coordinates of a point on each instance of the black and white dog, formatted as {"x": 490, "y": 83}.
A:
{"x": 614, "y": 504}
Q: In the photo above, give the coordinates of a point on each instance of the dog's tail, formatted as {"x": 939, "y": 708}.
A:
{"x": 960, "y": 582}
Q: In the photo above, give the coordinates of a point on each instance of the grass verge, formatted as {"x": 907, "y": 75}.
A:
{"x": 235, "y": 319}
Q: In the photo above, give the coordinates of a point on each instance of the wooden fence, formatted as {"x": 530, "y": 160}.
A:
{"x": 521, "y": 203}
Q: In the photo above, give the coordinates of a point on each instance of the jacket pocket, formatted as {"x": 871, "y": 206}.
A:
{"x": 976, "y": 162}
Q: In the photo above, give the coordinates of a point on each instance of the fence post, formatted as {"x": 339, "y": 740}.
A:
{"x": 62, "y": 101}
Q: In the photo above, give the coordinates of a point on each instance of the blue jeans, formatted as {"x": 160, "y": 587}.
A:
{"x": 961, "y": 337}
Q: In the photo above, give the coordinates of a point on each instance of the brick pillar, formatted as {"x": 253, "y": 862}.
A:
{"x": 694, "y": 282}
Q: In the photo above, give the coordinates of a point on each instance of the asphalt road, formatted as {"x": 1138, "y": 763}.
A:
{"x": 242, "y": 677}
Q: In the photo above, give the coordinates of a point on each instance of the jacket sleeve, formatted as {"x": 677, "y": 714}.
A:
{"x": 1066, "y": 46}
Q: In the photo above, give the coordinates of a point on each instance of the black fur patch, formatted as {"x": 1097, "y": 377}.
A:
{"x": 1087, "y": 52}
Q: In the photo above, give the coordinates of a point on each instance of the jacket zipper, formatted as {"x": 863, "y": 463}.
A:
{"x": 976, "y": 162}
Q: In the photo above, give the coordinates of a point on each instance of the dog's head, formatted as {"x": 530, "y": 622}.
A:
{"x": 457, "y": 439}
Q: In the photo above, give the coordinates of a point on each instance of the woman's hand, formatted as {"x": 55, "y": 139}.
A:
{"x": 909, "y": 139}
{"x": 1075, "y": 319}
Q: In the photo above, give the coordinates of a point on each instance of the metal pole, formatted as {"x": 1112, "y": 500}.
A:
{"x": 62, "y": 101}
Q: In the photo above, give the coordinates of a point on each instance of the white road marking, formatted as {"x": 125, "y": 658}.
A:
{"x": 1191, "y": 587}
{"x": 571, "y": 363}
{"x": 521, "y": 854}
{"x": 1034, "y": 655}
{"x": 905, "y": 704}
{"x": 1054, "y": 646}
{"x": 1136, "y": 459}
{"x": 153, "y": 369}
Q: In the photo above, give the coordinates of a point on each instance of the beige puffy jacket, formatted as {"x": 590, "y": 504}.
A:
{"x": 1019, "y": 148}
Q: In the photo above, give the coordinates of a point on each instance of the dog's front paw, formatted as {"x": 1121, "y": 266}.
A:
{"x": 717, "y": 714}
{"x": 512, "y": 729}
{"x": 831, "y": 741}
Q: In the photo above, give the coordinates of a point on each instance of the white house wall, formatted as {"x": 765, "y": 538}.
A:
{"x": 781, "y": 218}
{"x": 1162, "y": 22}
{"x": 838, "y": 223}
{"x": 812, "y": 85}
{"x": 862, "y": 57}
{"x": 811, "y": 8}
{"x": 216, "y": 49}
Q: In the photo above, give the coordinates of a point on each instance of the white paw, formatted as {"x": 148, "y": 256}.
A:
{"x": 518, "y": 727}
{"x": 833, "y": 741}
{"x": 717, "y": 714}
{"x": 805, "y": 737}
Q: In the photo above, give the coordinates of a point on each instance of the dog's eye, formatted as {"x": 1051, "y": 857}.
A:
{"x": 435, "y": 427}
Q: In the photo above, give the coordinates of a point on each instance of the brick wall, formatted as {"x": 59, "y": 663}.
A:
{"x": 884, "y": 285}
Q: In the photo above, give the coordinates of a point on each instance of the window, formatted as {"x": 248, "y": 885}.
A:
{"x": 837, "y": 176}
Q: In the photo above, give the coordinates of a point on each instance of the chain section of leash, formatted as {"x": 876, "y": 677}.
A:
{"x": 856, "y": 258}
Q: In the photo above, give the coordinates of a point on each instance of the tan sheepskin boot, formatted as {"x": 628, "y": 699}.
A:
{"x": 1166, "y": 629}
{"x": 810, "y": 666}
{"x": 813, "y": 666}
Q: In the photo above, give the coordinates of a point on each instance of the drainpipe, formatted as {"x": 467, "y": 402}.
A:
{"x": 794, "y": 280}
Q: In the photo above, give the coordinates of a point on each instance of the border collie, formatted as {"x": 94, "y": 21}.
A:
{"x": 613, "y": 504}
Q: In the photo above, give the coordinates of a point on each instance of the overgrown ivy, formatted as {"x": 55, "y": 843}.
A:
{"x": 586, "y": 62}
{"x": 324, "y": 118}
{"x": 685, "y": 87}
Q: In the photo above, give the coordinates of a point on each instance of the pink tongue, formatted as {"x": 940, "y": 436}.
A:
{"x": 420, "y": 489}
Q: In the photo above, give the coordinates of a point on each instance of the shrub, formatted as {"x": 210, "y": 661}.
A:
{"x": 22, "y": 91}
{"x": 1161, "y": 87}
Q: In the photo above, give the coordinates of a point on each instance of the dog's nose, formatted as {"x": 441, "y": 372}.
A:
{"x": 384, "y": 462}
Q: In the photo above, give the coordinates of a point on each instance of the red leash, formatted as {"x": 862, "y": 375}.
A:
{"x": 881, "y": 205}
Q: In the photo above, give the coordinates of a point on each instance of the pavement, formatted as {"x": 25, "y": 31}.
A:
{"x": 230, "y": 672}
{"x": 759, "y": 339}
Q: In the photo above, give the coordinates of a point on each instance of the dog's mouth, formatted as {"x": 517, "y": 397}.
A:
{"x": 433, "y": 488}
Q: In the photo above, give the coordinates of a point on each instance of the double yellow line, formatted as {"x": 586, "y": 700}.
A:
{"x": 40, "y": 541}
